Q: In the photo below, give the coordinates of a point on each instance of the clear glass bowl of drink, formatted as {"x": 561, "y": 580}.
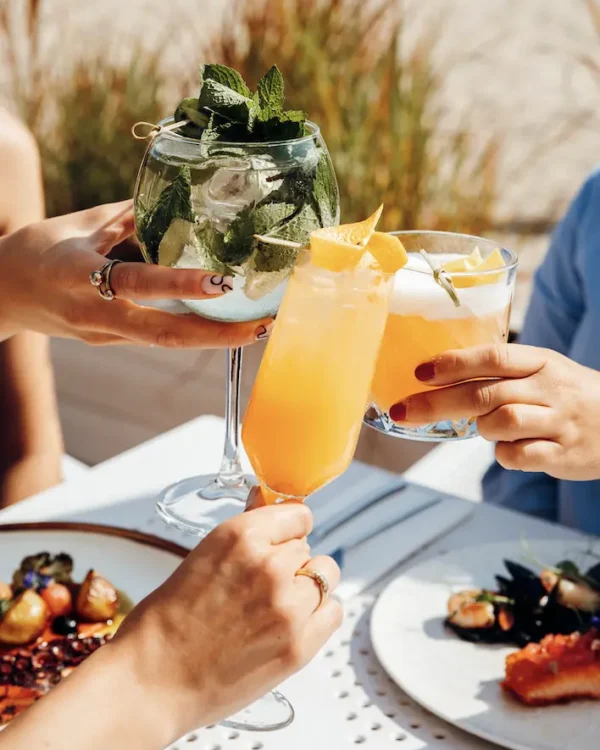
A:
{"x": 230, "y": 185}
{"x": 433, "y": 310}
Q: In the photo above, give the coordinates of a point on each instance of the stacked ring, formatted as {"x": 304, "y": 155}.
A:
{"x": 101, "y": 280}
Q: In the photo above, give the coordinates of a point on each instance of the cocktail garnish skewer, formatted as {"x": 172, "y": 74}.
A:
{"x": 154, "y": 130}
{"x": 266, "y": 240}
{"x": 442, "y": 278}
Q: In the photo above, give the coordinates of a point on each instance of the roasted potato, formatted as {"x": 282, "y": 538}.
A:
{"x": 97, "y": 600}
{"x": 24, "y": 620}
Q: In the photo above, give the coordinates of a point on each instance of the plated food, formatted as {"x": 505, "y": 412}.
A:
{"x": 553, "y": 616}
{"x": 49, "y": 624}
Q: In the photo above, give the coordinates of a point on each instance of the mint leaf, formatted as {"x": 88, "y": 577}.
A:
{"x": 268, "y": 217}
{"x": 239, "y": 239}
{"x": 294, "y": 115}
{"x": 174, "y": 202}
{"x": 265, "y": 218}
{"x": 225, "y": 76}
{"x": 276, "y": 129}
{"x": 189, "y": 109}
{"x": 4, "y": 607}
{"x": 210, "y": 245}
{"x": 325, "y": 192}
{"x": 296, "y": 226}
{"x": 272, "y": 258}
{"x": 270, "y": 91}
{"x": 228, "y": 103}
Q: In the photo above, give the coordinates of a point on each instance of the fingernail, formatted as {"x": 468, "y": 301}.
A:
{"x": 217, "y": 284}
{"x": 398, "y": 412}
{"x": 263, "y": 332}
{"x": 426, "y": 371}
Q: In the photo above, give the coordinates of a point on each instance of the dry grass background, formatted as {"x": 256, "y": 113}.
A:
{"x": 344, "y": 62}
{"x": 483, "y": 117}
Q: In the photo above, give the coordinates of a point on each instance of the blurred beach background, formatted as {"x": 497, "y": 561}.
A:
{"x": 474, "y": 116}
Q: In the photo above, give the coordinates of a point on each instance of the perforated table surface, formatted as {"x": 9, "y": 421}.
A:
{"x": 343, "y": 698}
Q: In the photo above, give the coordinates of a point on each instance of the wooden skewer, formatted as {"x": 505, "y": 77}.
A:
{"x": 266, "y": 240}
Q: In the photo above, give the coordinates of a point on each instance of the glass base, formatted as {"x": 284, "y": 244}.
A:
{"x": 268, "y": 714}
{"x": 199, "y": 504}
{"x": 438, "y": 432}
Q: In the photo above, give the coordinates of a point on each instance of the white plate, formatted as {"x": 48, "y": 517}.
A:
{"x": 135, "y": 563}
{"x": 459, "y": 681}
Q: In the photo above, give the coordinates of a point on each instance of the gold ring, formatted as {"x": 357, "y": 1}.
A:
{"x": 319, "y": 579}
{"x": 101, "y": 280}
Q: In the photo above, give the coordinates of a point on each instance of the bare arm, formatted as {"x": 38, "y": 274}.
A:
{"x": 233, "y": 621}
{"x": 30, "y": 436}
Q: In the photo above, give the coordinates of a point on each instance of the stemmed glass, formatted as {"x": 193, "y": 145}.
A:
{"x": 274, "y": 189}
{"x": 208, "y": 200}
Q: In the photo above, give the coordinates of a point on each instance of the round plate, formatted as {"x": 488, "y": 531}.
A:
{"x": 135, "y": 563}
{"x": 459, "y": 681}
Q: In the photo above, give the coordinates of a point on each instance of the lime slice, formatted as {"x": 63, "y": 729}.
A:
{"x": 179, "y": 235}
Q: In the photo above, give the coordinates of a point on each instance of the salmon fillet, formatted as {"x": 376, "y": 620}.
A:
{"x": 560, "y": 668}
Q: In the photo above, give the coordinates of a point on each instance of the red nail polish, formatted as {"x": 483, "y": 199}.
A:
{"x": 426, "y": 371}
{"x": 398, "y": 412}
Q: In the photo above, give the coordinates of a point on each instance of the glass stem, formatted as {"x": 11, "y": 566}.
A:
{"x": 231, "y": 473}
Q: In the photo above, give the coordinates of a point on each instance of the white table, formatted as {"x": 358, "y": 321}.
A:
{"x": 343, "y": 698}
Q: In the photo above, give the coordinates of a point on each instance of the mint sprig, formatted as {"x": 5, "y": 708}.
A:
{"x": 227, "y": 110}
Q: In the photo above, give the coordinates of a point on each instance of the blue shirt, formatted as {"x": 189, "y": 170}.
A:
{"x": 564, "y": 315}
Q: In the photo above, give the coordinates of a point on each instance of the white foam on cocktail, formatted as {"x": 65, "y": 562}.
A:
{"x": 419, "y": 294}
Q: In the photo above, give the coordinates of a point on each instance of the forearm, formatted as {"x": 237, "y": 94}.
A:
{"x": 30, "y": 436}
{"x": 102, "y": 704}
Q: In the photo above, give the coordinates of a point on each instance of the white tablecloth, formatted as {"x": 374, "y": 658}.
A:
{"x": 343, "y": 698}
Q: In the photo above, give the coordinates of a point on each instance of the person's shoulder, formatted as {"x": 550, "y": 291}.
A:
{"x": 588, "y": 198}
{"x": 15, "y": 137}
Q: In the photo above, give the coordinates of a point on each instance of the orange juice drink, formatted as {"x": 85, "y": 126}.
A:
{"x": 306, "y": 408}
{"x": 424, "y": 321}
{"x": 305, "y": 412}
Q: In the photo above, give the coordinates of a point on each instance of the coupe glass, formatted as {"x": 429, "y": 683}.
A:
{"x": 427, "y": 318}
{"x": 232, "y": 186}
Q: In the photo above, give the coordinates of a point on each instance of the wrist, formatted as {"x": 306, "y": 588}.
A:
{"x": 9, "y": 326}
{"x": 148, "y": 707}
{"x": 174, "y": 699}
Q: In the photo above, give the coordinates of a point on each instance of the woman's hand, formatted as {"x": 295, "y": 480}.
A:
{"x": 45, "y": 287}
{"x": 232, "y": 622}
{"x": 541, "y": 408}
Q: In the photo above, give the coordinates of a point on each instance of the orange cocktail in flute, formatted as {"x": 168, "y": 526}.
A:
{"x": 302, "y": 423}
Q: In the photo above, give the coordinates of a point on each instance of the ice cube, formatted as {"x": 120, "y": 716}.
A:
{"x": 233, "y": 187}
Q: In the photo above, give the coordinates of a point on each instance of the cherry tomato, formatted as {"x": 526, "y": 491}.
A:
{"x": 58, "y": 598}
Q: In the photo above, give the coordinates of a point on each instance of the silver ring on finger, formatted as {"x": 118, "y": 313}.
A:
{"x": 320, "y": 579}
{"x": 101, "y": 280}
